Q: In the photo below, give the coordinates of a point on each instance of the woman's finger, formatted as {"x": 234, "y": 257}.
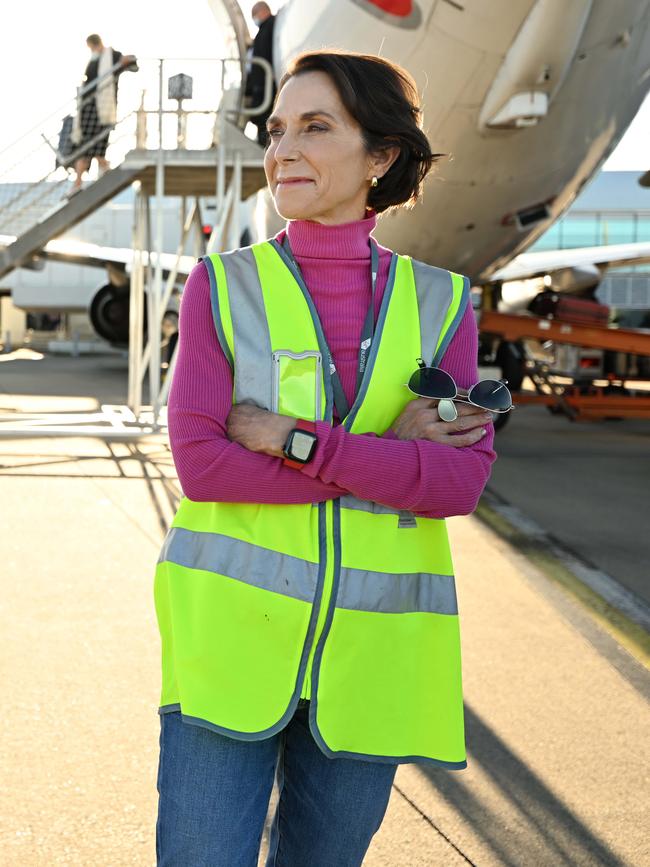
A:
{"x": 465, "y": 439}
{"x": 443, "y": 432}
{"x": 468, "y": 409}
{"x": 468, "y": 422}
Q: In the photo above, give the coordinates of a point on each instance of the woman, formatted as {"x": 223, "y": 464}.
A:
{"x": 97, "y": 108}
{"x": 305, "y": 593}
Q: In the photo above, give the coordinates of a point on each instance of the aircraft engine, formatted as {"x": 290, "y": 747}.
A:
{"x": 576, "y": 280}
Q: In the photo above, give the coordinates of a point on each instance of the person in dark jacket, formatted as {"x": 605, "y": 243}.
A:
{"x": 96, "y": 111}
{"x": 262, "y": 47}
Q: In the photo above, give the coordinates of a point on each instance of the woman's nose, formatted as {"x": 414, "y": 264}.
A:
{"x": 286, "y": 149}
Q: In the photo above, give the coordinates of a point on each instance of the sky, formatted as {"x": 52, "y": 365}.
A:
{"x": 42, "y": 70}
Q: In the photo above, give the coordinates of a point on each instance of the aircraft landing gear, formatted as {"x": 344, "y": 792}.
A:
{"x": 511, "y": 358}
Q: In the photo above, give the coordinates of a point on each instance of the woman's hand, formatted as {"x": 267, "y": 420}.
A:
{"x": 259, "y": 430}
{"x": 420, "y": 421}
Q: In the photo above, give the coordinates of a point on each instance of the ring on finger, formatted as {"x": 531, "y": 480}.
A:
{"x": 447, "y": 410}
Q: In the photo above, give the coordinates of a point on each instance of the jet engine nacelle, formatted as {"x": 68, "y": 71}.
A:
{"x": 576, "y": 280}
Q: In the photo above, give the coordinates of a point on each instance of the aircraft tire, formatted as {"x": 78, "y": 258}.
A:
{"x": 500, "y": 420}
{"x": 109, "y": 314}
{"x": 510, "y": 357}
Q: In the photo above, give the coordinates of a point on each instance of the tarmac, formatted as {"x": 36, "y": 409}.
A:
{"x": 605, "y": 465}
{"x": 558, "y": 724}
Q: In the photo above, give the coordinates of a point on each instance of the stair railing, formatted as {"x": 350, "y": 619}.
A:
{"x": 31, "y": 154}
{"x": 35, "y": 171}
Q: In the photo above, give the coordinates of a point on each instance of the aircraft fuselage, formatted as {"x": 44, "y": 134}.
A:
{"x": 583, "y": 68}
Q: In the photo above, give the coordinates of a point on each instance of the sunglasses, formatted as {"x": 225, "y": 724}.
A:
{"x": 437, "y": 384}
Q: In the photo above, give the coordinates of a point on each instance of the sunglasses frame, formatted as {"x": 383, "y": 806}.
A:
{"x": 465, "y": 398}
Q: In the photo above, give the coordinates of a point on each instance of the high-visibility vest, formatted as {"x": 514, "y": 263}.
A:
{"x": 349, "y": 603}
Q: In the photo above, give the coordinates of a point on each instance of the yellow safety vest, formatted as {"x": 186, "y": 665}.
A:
{"x": 349, "y": 603}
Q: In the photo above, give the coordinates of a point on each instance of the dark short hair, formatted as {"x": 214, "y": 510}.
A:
{"x": 382, "y": 97}
{"x": 94, "y": 39}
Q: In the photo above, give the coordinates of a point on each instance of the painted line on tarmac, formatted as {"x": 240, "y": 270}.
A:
{"x": 624, "y": 616}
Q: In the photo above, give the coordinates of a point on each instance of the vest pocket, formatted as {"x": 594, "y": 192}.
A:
{"x": 297, "y": 378}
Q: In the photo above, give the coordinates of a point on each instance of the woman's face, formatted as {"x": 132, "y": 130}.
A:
{"x": 316, "y": 164}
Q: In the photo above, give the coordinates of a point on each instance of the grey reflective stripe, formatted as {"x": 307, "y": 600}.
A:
{"x": 406, "y": 518}
{"x": 251, "y": 337}
{"x": 464, "y": 299}
{"x": 435, "y": 293}
{"x": 216, "y": 312}
{"x": 350, "y": 502}
{"x": 388, "y": 593}
{"x": 260, "y": 567}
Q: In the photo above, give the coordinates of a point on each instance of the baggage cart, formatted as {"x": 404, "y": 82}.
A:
{"x": 610, "y": 376}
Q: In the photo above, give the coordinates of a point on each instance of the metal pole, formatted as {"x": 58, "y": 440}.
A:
{"x": 147, "y": 282}
{"x": 221, "y": 165}
{"x": 164, "y": 391}
{"x": 152, "y": 312}
{"x": 235, "y": 221}
{"x": 136, "y": 300}
{"x": 155, "y": 322}
{"x": 171, "y": 279}
{"x": 219, "y": 229}
{"x": 199, "y": 240}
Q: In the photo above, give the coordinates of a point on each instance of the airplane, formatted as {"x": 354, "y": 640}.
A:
{"x": 527, "y": 97}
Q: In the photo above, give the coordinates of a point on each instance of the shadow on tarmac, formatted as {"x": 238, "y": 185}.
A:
{"x": 545, "y": 831}
{"x": 153, "y": 466}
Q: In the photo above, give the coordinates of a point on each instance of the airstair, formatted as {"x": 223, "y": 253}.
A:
{"x": 37, "y": 220}
{"x": 179, "y": 132}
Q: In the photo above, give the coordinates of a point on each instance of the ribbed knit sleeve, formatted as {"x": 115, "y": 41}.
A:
{"x": 424, "y": 477}
{"x": 430, "y": 479}
{"x": 210, "y": 467}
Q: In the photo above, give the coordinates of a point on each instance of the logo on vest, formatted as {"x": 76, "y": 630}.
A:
{"x": 365, "y": 346}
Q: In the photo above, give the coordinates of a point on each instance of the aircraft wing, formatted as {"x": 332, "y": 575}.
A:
{"x": 576, "y": 260}
{"x": 93, "y": 255}
{"x": 580, "y": 259}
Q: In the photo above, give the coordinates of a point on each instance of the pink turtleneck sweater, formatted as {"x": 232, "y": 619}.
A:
{"x": 427, "y": 478}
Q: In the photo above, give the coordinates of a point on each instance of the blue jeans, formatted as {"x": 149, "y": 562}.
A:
{"x": 215, "y": 791}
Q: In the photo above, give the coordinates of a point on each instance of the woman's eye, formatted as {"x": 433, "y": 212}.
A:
{"x": 276, "y": 132}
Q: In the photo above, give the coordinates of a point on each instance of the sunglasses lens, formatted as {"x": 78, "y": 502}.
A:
{"x": 432, "y": 382}
{"x": 491, "y": 395}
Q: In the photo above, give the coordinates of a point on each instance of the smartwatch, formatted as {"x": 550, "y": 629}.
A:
{"x": 301, "y": 444}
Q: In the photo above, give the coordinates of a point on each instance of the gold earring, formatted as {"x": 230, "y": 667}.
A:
{"x": 374, "y": 182}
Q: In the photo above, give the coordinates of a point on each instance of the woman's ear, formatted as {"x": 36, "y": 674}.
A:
{"x": 383, "y": 159}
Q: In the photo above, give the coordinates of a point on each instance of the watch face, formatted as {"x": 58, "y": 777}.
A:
{"x": 301, "y": 445}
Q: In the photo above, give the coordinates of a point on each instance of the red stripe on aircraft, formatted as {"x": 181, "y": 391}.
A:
{"x": 400, "y": 8}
